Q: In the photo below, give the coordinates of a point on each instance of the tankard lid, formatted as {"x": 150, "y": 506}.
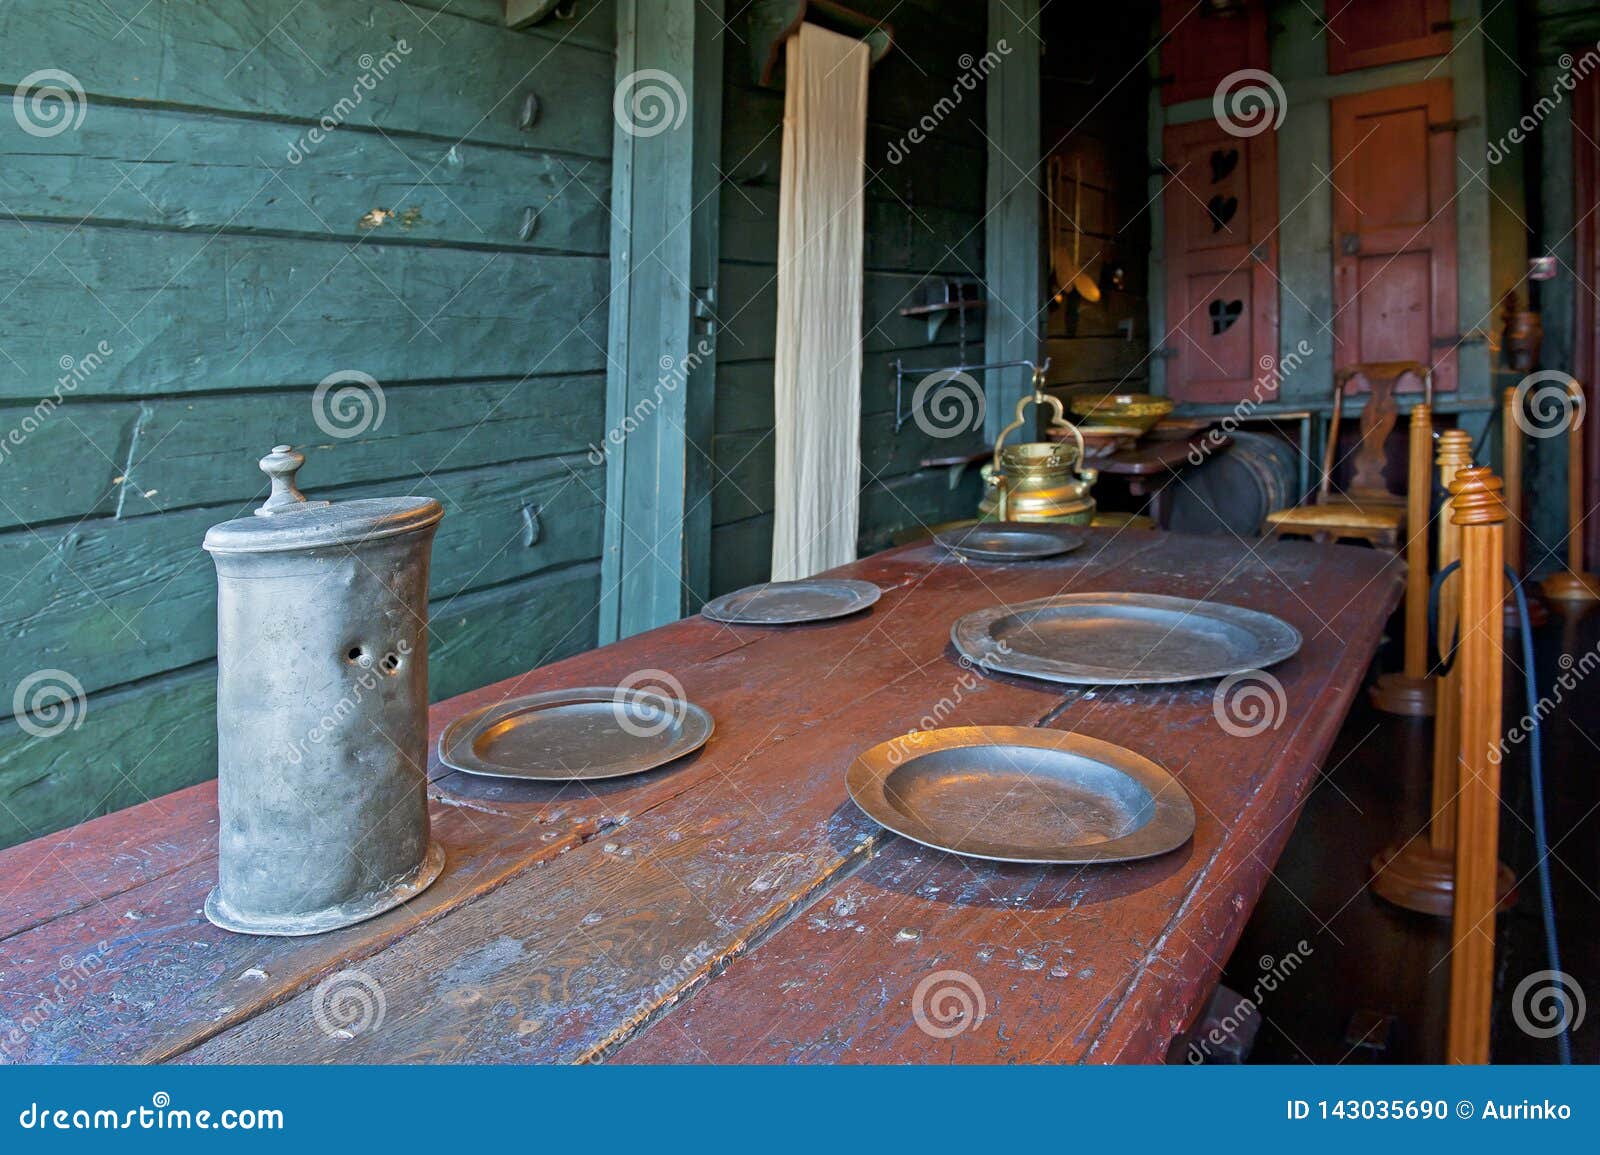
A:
{"x": 287, "y": 520}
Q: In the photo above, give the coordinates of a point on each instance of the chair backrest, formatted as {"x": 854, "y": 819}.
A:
{"x": 1377, "y": 422}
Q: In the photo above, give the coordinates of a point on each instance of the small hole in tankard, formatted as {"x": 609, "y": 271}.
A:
{"x": 358, "y": 656}
{"x": 391, "y": 663}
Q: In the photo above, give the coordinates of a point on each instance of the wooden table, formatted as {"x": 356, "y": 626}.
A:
{"x": 734, "y": 906}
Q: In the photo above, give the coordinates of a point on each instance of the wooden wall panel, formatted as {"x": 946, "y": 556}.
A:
{"x": 1221, "y": 203}
{"x": 924, "y": 220}
{"x": 228, "y": 251}
{"x": 1394, "y": 223}
{"x": 1097, "y": 131}
{"x": 1200, "y": 47}
{"x": 1367, "y": 33}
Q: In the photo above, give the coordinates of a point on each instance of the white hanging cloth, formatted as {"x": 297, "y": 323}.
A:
{"x": 818, "y": 361}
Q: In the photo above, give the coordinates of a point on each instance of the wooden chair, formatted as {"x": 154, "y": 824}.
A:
{"x": 1366, "y": 510}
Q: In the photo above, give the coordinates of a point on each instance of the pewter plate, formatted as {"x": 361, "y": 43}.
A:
{"x": 1018, "y": 794}
{"x": 564, "y": 735}
{"x": 1009, "y": 541}
{"x": 1123, "y": 639}
{"x": 787, "y": 603}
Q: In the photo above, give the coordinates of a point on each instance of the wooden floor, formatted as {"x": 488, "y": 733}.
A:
{"x": 1370, "y": 960}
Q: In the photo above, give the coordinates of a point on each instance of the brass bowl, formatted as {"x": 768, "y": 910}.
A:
{"x": 1138, "y": 410}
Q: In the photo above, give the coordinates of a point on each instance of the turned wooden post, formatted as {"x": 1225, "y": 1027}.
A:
{"x": 1480, "y": 511}
{"x": 1420, "y": 872}
{"x": 1455, "y": 454}
{"x": 1511, "y": 431}
{"x": 1411, "y": 692}
{"x": 1511, "y": 452}
{"x": 1576, "y": 584}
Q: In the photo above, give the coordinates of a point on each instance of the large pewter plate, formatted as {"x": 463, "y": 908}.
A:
{"x": 1009, "y": 541}
{"x": 788, "y": 603}
{"x": 565, "y": 735}
{"x": 1123, "y": 639}
{"x": 1018, "y": 794}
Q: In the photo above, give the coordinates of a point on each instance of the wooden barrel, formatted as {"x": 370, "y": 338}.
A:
{"x": 1234, "y": 488}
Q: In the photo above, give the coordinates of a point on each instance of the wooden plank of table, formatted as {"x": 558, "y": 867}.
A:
{"x": 172, "y": 981}
{"x": 113, "y": 936}
{"x": 487, "y": 841}
{"x": 575, "y": 956}
{"x": 1100, "y": 963}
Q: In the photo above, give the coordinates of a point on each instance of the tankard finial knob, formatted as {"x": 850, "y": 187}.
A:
{"x": 281, "y": 465}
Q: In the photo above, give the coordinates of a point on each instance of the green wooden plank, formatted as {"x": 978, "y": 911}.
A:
{"x": 202, "y": 450}
{"x": 897, "y": 237}
{"x": 128, "y": 745}
{"x": 146, "y": 740}
{"x": 939, "y": 172}
{"x": 588, "y": 22}
{"x": 661, "y": 358}
{"x": 741, "y": 554}
{"x": 1014, "y": 221}
{"x": 61, "y": 460}
{"x": 114, "y": 600}
{"x": 495, "y": 634}
{"x": 744, "y": 476}
{"x": 189, "y": 313}
{"x": 923, "y": 498}
{"x": 180, "y": 170}
{"x": 748, "y": 302}
{"x": 425, "y": 72}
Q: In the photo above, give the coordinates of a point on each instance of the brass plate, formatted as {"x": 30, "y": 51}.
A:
{"x": 1123, "y": 639}
{"x": 1019, "y": 794}
{"x": 1010, "y": 541}
{"x": 789, "y": 603}
{"x": 566, "y": 735}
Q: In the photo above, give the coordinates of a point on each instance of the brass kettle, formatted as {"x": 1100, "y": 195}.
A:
{"x": 1039, "y": 480}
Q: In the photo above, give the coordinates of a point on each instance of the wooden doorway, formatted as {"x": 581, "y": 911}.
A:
{"x": 1394, "y": 229}
{"x": 1221, "y": 211}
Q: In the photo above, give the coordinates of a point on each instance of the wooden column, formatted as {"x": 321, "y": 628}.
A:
{"x": 1511, "y": 463}
{"x": 1576, "y": 584}
{"x": 1013, "y": 239}
{"x": 662, "y": 354}
{"x": 1511, "y": 460}
{"x": 1420, "y": 872}
{"x": 1411, "y": 692}
{"x": 1479, "y": 510}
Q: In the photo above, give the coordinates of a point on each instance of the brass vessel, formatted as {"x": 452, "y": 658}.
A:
{"x": 1039, "y": 480}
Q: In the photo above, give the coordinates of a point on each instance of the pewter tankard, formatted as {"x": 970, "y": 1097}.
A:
{"x": 322, "y": 708}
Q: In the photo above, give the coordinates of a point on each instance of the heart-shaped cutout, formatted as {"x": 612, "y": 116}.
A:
{"x": 1221, "y": 209}
{"x": 1223, "y": 162}
{"x": 1224, "y": 314}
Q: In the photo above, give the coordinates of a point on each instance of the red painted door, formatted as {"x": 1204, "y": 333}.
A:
{"x": 1394, "y": 229}
{"x": 1221, "y": 210}
{"x": 1201, "y": 45}
{"x": 1367, "y": 33}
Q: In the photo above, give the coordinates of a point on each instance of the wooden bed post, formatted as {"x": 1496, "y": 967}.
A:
{"x": 1479, "y": 510}
{"x": 1575, "y": 584}
{"x": 1411, "y": 692}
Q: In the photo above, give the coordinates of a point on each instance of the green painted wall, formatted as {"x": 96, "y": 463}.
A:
{"x": 1556, "y": 27}
{"x": 924, "y": 217}
{"x": 183, "y": 266}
